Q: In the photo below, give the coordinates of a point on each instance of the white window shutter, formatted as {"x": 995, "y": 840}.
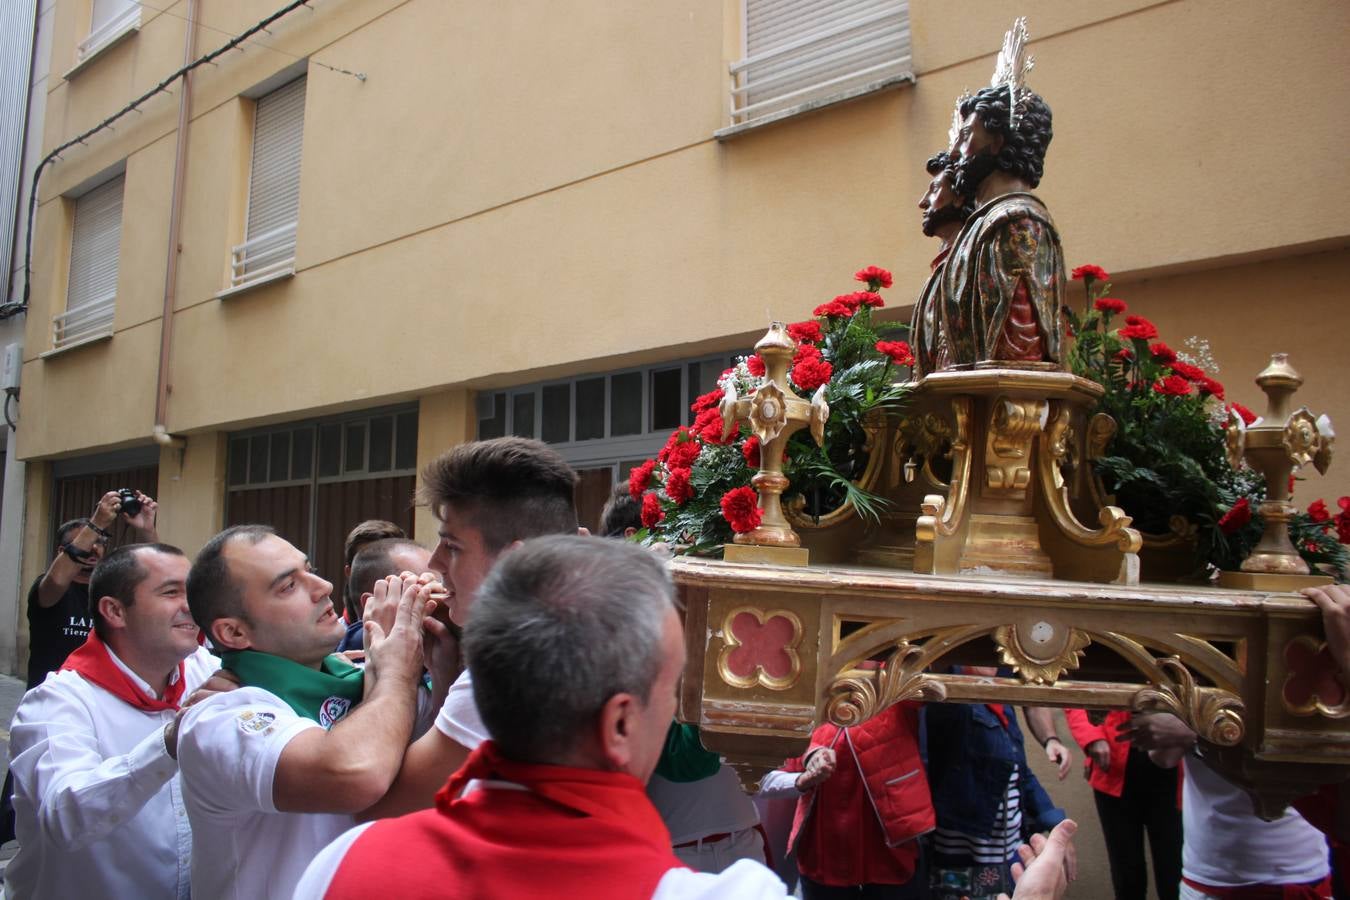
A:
{"x": 274, "y": 185}
{"x": 94, "y": 246}
{"x": 801, "y": 53}
{"x": 106, "y": 11}
{"x": 108, "y": 20}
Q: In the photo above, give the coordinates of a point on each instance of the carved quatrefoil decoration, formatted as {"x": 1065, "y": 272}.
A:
{"x": 761, "y": 648}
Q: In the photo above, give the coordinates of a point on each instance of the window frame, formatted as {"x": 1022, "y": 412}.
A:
{"x": 95, "y": 314}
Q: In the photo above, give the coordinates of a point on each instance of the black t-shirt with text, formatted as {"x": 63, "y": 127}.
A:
{"x": 56, "y": 630}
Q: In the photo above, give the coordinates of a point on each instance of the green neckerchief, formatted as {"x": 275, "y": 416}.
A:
{"x": 684, "y": 758}
{"x": 325, "y": 694}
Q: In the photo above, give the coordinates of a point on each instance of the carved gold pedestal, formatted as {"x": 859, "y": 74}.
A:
{"x": 1008, "y": 510}
{"x": 773, "y": 652}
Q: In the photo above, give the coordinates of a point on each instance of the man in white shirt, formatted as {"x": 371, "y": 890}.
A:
{"x": 488, "y": 496}
{"x": 578, "y": 720}
{"x": 99, "y": 808}
{"x": 276, "y": 769}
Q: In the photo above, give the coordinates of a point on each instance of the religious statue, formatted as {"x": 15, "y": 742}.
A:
{"x": 1003, "y": 283}
{"x": 944, "y": 212}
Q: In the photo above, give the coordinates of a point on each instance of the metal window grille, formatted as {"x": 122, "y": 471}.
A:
{"x": 801, "y": 54}
{"x": 268, "y": 249}
{"x": 94, "y": 243}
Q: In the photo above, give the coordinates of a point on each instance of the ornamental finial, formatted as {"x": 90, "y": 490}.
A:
{"x": 1012, "y": 67}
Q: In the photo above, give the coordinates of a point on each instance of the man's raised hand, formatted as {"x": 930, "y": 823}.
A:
{"x": 396, "y": 652}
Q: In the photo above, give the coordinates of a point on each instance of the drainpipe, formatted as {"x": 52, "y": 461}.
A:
{"x": 161, "y": 431}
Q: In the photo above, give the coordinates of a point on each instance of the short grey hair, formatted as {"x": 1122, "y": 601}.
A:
{"x": 560, "y": 626}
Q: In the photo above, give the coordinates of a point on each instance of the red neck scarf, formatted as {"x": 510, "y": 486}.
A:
{"x": 93, "y": 661}
{"x": 571, "y": 833}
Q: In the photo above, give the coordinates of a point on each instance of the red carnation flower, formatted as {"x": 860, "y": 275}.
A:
{"x": 651, "y": 511}
{"x": 1209, "y": 386}
{"x": 1236, "y": 518}
{"x": 874, "y": 276}
{"x": 706, "y": 401}
{"x": 835, "y": 309}
{"x": 868, "y": 298}
{"x": 681, "y": 449}
{"x": 1124, "y": 356}
{"x": 755, "y": 364}
{"x": 740, "y": 507}
{"x": 1248, "y": 417}
{"x": 640, "y": 477}
{"x": 1343, "y": 521}
{"x": 1109, "y": 305}
{"x": 1173, "y": 385}
{"x": 1317, "y": 511}
{"x": 810, "y": 374}
{"x": 805, "y": 332}
{"x": 750, "y": 450}
{"x": 1162, "y": 353}
{"x": 1187, "y": 371}
{"x": 678, "y": 488}
{"x": 1090, "y": 272}
{"x": 1291, "y": 486}
{"x": 898, "y": 351}
{"x": 1138, "y": 328}
{"x": 805, "y": 352}
{"x": 708, "y": 427}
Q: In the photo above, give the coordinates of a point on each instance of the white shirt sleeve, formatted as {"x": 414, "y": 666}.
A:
{"x": 458, "y": 718}
{"x": 744, "y": 880}
{"x": 80, "y": 796}
{"x": 314, "y": 883}
{"x": 229, "y": 745}
{"x": 779, "y": 784}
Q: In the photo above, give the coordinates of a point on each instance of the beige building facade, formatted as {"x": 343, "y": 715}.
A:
{"x": 522, "y": 217}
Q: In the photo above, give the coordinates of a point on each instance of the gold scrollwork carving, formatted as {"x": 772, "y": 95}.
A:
{"x": 1115, "y": 523}
{"x": 857, "y": 695}
{"x": 942, "y": 516}
{"x": 1040, "y": 651}
{"x": 768, "y": 412}
{"x": 1212, "y": 713}
{"x": 1101, "y": 429}
{"x": 1013, "y": 426}
{"x": 731, "y": 642}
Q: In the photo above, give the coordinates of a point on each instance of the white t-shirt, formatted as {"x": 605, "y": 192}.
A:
{"x": 745, "y": 880}
{"x": 228, "y": 748}
{"x": 458, "y": 718}
{"x": 1227, "y": 845}
{"x": 696, "y": 809}
{"x": 98, "y": 809}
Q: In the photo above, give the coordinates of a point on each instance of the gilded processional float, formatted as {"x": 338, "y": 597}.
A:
{"x": 976, "y": 527}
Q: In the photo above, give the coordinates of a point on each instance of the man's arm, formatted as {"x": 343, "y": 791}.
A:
{"x": 1041, "y": 722}
{"x": 430, "y": 760}
{"x": 350, "y": 766}
{"x": 80, "y": 796}
{"x": 53, "y": 585}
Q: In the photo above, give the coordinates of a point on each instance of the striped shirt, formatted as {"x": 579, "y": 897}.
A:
{"x": 994, "y": 850}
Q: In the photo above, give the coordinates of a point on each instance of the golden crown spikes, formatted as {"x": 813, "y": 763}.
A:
{"x": 1013, "y": 65}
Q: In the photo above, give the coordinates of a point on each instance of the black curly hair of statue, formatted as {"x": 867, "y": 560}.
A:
{"x": 1023, "y": 151}
{"x": 942, "y": 161}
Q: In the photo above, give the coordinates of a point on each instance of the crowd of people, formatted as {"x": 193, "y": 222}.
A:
{"x": 496, "y": 718}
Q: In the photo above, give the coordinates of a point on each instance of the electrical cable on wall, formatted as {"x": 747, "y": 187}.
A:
{"x": 14, "y": 308}
{"x": 10, "y": 394}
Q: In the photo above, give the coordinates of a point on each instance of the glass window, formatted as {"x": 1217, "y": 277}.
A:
{"x": 330, "y": 450}
{"x": 302, "y": 453}
{"x": 238, "y": 461}
{"x": 522, "y": 414}
{"x": 667, "y": 405}
{"x": 557, "y": 413}
{"x": 281, "y": 457}
{"x": 355, "y": 458}
{"x": 590, "y": 409}
{"x": 257, "y": 459}
{"x": 625, "y": 404}
{"x": 494, "y": 426}
{"x": 405, "y": 452}
{"x": 381, "y": 443}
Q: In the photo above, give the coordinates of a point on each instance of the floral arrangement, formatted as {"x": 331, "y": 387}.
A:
{"x": 1167, "y": 458}
{"x": 696, "y": 493}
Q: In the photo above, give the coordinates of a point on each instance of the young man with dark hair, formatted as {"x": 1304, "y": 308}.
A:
{"x": 362, "y": 535}
{"x": 561, "y": 810}
{"x": 58, "y": 602}
{"x": 372, "y": 563}
{"x": 488, "y": 496}
{"x": 276, "y": 769}
{"x": 622, "y": 514}
{"x": 99, "y": 809}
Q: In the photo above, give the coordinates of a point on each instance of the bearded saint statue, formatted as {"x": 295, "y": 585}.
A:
{"x": 1003, "y": 281}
